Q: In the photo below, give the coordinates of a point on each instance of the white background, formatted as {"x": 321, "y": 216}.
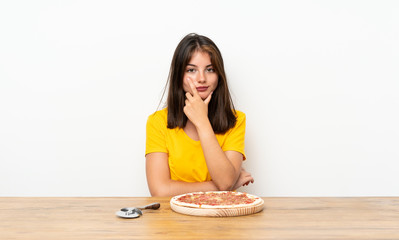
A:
{"x": 318, "y": 80}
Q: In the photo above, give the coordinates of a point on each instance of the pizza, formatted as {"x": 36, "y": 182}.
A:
{"x": 216, "y": 200}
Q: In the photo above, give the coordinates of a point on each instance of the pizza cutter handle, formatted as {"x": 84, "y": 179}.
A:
{"x": 151, "y": 206}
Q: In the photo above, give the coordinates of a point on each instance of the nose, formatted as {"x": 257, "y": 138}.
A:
{"x": 202, "y": 77}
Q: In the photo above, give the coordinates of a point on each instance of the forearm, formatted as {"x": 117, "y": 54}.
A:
{"x": 172, "y": 188}
{"x": 159, "y": 180}
{"x": 221, "y": 169}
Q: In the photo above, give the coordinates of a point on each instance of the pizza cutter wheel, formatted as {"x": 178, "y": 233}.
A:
{"x": 129, "y": 213}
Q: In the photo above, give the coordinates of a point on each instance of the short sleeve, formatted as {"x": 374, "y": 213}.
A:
{"x": 155, "y": 134}
{"x": 235, "y": 139}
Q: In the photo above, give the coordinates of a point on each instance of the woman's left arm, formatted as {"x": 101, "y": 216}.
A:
{"x": 224, "y": 167}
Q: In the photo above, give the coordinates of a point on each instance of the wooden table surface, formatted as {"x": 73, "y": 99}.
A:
{"x": 282, "y": 218}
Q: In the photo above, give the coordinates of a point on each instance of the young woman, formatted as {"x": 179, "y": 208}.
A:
{"x": 196, "y": 143}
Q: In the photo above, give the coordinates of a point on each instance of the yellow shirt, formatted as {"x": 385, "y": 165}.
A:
{"x": 186, "y": 159}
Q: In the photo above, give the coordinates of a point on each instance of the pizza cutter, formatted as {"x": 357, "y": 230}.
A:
{"x": 135, "y": 212}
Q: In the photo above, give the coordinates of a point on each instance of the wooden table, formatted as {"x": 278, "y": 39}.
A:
{"x": 282, "y": 218}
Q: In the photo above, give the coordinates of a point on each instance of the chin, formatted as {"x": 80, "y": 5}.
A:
{"x": 204, "y": 96}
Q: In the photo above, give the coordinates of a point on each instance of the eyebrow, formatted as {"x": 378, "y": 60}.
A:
{"x": 210, "y": 65}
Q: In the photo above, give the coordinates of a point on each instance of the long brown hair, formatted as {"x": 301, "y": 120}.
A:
{"x": 221, "y": 112}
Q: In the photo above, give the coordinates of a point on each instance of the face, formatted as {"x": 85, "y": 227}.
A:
{"x": 202, "y": 74}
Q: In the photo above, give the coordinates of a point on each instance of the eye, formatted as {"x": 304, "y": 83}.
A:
{"x": 190, "y": 70}
{"x": 210, "y": 70}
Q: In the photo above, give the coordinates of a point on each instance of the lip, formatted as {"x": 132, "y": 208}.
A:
{"x": 202, "y": 89}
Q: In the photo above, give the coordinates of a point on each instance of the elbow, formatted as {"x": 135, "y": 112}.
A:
{"x": 224, "y": 186}
{"x": 160, "y": 190}
{"x": 159, "y": 193}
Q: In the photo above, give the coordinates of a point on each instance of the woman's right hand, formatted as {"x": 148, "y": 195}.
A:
{"x": 244, "y": 179}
